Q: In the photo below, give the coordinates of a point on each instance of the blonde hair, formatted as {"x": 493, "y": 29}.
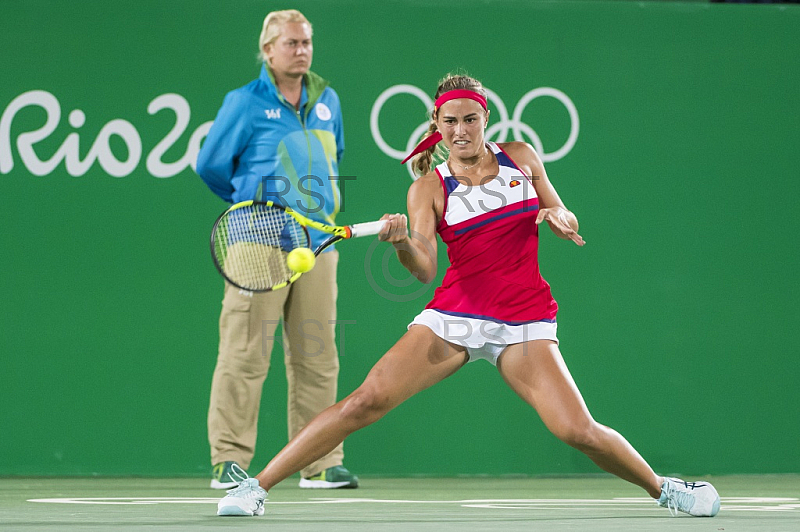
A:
{"x": 273, "y": 26}
{"x": 421, "y": 164}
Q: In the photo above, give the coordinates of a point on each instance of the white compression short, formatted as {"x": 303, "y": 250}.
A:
{"x": 483, "y": 338}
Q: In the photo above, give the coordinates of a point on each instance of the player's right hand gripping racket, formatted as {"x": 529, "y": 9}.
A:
{"x": 250, "y": 242}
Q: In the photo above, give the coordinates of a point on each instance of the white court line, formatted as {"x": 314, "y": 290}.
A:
{"x": 743, "y": 504}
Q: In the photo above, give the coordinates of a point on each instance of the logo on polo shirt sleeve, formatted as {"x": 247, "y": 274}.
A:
{"x": 323, "y": 111}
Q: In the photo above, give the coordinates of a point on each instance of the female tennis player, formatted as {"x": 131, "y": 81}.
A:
{"x": 486, "y": 201}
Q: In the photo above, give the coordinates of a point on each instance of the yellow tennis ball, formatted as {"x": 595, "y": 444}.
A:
{"x": 300, "y": 260}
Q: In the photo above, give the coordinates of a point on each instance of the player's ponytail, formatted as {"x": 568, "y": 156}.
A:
{"x": 423, "y": 162}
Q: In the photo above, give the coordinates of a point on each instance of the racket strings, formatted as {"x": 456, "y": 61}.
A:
{"x": 252, "y": 243}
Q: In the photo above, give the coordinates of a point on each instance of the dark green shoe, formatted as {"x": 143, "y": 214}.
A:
{"x": 222, "y": 477}
{"x": 332, "y": 478}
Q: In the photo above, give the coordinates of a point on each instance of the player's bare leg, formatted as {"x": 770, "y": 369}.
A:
{"x": 417, "y": 361}
{"x": 536, "y": 371}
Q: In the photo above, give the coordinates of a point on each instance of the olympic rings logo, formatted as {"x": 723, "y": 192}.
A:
{"x": 497, "y": 132}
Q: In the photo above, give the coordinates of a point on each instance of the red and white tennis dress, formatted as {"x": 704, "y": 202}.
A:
{"x": 492, "y": 295}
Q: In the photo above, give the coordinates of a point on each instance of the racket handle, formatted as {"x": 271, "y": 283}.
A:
{"x": 367, "y": 228}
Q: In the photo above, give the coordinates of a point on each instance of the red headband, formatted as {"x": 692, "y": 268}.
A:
{"x": 435, "y": 137}
{"x": 459, "y": 93}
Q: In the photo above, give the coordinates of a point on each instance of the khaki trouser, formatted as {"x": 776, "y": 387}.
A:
{"x": 246, "y": 329}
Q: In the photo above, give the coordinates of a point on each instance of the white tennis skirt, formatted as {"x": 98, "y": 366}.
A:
{"x": 483, "y": 338}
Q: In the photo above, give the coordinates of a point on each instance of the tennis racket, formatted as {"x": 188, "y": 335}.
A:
{"x": 251, "y": 239}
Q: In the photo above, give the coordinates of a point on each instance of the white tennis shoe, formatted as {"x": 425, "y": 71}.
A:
{"x": 246, "y": 499}
{"x": 699, "y": 499}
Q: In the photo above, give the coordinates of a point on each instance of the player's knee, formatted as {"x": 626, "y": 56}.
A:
{"x": 583, "y": 435}
{"x": 365, "y": 405}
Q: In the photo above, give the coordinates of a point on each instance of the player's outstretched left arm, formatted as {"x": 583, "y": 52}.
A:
{"x": 560, "y": 219}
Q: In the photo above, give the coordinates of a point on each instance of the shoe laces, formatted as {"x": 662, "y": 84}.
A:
{"x": 677, "y": 499}
{"x": 237, "y": 474}
{"x": 245, "y": 490}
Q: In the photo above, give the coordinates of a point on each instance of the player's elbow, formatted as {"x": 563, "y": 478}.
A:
{"x": 425, "y": 276}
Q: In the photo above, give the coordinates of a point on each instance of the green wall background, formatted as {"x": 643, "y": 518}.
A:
{"x": 678, "y": 319}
